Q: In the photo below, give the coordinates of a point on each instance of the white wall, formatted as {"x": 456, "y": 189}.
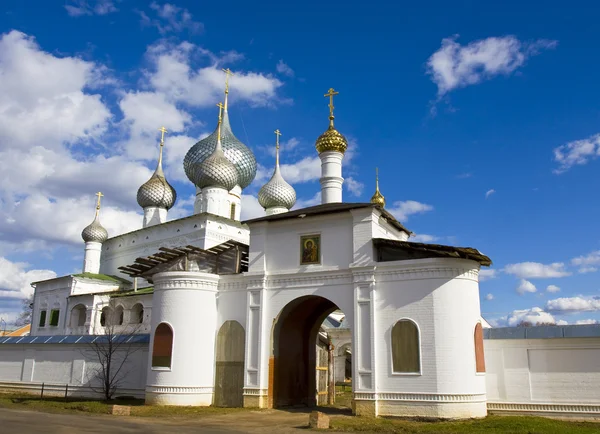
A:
{"x": 26, "y": 367}
{"x": 560, "y": 375}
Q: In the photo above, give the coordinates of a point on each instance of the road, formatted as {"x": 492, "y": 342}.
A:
{"x": 25, "y": 422}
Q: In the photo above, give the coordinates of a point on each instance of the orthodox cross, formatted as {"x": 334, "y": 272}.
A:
{"x": 221, "y": 107}
{"x": 99, "y": 194}
{"x": 331, "y": 94}
{"x": 277, "y": 134}
{"x": 228, "y": 73}
{"x": 163, "y": 130}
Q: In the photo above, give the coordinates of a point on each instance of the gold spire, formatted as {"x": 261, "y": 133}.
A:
{"x": 228, "y": 74}
{"x": 99, "y": 194}
{"x": 377, "y": 198}
{"x": 163, "y": 130}
{"x": 221, "y": 107}
{"x": 277, "y": 134}
{"x": 332, "y": 139}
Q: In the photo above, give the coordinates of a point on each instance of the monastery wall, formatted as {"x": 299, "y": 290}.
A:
{"x": 548, "y": 375}
{"x": 24, "y": 367}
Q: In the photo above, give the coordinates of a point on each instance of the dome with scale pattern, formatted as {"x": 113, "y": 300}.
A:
{"x": 94, "y": 232}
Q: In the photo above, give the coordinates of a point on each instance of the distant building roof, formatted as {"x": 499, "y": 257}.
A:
{"x": 92, "y": 276}
{"x": 72, "y": 339}
{"x": 543, "y": 332}
{"x": 21, "y": 331}
{"x": 328, "y": 208}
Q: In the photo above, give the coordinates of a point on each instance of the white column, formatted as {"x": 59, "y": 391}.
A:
{"x": 331, "y": 176}
{"x": 186, "y": 301}
{"x": 91, "y": 257}
{"x": 235, "y": 196}
{"x": 216, "y": 200}
{"x": 198, "y": 201}
{"x": 154, "y": 216}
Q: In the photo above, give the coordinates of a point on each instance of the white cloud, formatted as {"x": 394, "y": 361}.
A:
{"x": 535, "y": 270}
{"x": 306, "y": 170}
{"x": 489, "y": 297}
{"x": 454, "y": 66}
{"x": 586, "y": 321}
{"x": 353, "y": 186}
{"x": 489, "y": 193}
{"x": 573, "y": 304}
{"x": 576, "y": 153}
{"x": 487, "y": 274}
{"x": 403, "y": 209}
{"x": 305, "y": 203}
{"x": 77, "y": 8}
{"x": 423, "y": 238}
{"x": 171, "y": 18}
{"x": 284, "y": 69}
{"x": 15, "y": 278}
{"x": 525, "y": 286}
{"x": 552, "y": 288}
{"x": 251, "y": 208}
{"x": 43, "y": 98}
{"x": 587, "y": 263}
{"x": 534, "y": 315}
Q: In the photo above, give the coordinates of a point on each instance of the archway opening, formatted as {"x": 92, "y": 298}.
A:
{"x": 301, "y": 371}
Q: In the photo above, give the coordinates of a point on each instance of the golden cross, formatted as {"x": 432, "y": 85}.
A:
{"x": 228, "y": 73}
{"x": 277, "y": 133}
{"x": 221, "y": 107}
{"x": 331, "y": 94}
{"x": 163, "y": 130}
{"x": 99, "y": 194}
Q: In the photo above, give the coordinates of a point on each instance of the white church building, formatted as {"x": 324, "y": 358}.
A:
{"x": 231, "y": 309}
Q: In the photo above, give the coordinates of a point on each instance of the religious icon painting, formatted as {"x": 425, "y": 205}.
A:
{"x": 310, "y": 249}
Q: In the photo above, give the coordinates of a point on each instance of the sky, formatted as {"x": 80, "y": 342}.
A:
{"x": 483, "y": 120}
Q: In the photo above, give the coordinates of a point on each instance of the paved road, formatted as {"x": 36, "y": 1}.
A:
{"x": 25, "y": 422}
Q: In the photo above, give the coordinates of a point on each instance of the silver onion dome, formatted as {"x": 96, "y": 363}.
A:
{"x": 277, "y": 192}
{"x": 215, "y": 171}
{"x": 157, "y": 192}
{"x": 236, "y": 152}
{"x": 94, "y": 232}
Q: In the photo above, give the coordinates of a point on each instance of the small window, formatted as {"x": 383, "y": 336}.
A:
{"x": 42, "y": 318}
{"x": 104, "y": 316}
{"x": 479, "y": 356}
{"x": 163, "y": 346}
{"x": 137, "y": 314}
{"x": 406, "y": 357}
{"x": 232, "y": 212}
{"x": 54, "y": 314}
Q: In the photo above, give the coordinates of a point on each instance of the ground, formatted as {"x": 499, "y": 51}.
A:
{"x": 30, "y": 414}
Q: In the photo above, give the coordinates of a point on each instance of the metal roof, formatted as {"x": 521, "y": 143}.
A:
{"x": 73, "y": 339}
{"x": 544, "y": 332}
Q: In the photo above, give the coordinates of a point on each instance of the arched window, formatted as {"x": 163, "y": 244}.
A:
{"x": 137, "y": 314}
{"x": 118, "y": 318}
{"x": 163, "y": 346}
{"x": 105, "y": 316}
{"x": 232, "y": 212}
{"x": 406, "y": 357}
{"x": 479, "y": 357}
{"x": 78, "y": 316}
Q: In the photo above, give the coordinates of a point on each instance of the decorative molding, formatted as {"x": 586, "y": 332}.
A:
{"x": 419, "y": 397}
{"x": 544, "y": 408}
{"x": 179, "y": 389}
{"x": 302, "y": 280}
{"x": 427, "y": 273}
{"x": 253, "y": 391}
{"x": 365, "y": 396}
{"x": 185, "y": 280}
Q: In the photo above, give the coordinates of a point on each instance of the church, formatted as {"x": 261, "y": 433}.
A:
{"x": 231, "y": 305}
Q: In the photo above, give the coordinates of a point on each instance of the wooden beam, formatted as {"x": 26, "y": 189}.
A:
{"x": 147, "y": 261}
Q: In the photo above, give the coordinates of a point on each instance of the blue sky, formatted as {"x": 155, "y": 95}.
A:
{"x": 482, "y": 120}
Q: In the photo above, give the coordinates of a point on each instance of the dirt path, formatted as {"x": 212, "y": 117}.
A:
{"x": 21, "y": 421}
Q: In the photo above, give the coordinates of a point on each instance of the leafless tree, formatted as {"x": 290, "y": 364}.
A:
{"x": 24, "y": 317}
{"x": 112, "y": 350}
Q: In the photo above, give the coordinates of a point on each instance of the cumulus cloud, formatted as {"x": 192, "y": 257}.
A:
{"x": 534, "y": 315}
{"x": 403, "y": 209}
{"x": 552, "y": 288}
{"x": 576, "y": 153}
{"x": 525, "y": 286}
{"x": 305, "y": 203}
{"x": 353, "y": 186}
{"x": 15, "y": 278}
{"x": 573, "y": 304}
{"x": 487, "y": 274}
{"x": 170, "y": 18}
{"x": 423, "y": 238}
{"x": 284, "y": 69}
{"x": 77, "y": 8}
{"x": 586, "y": 321}
{"x": 536, "y": 270}
{"x": 251, "y": 208}
{"x": 489, "y": 297}
{"x": 587, "y": 263}
{"x": 454, "y": 66}
{"x": 489, "y": 193}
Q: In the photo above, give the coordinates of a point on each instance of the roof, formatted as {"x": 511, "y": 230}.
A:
{"x": 73, "y": 339}
{"x": 21, "y": 331}
{"x": 328, "y": 208}
{"x": 544, "y": 332}
{"x": 131, "y": 293}
{"x": 92, "y": 276}
{"x": 393, "y": 250}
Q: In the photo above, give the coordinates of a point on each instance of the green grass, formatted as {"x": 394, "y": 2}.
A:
{"x": 489, "y": 425}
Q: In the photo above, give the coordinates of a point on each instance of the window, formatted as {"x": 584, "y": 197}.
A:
{"x": 406, "y": 357}
{"x": 54, "y": 314}
{"x": 163, "y": 346}
{"x": 137, "y": 314}
{"x": 42, "y": 318}
{"x": 78, "y": 316}
{"x": 118, "y": 319}
{"x": 232, "y": 212}
{"x": 105, "y": 317}
{"x": 479, "y": 358}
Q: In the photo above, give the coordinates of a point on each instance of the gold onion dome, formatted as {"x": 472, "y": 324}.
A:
{"x": 332, "y": 139}
{"x": 277, "y": 192}
{"x": 377, "y": 198}
{"x": 95, "y": 232}
{"x": 157, "y": 192}
{"x": 216, "y": 170}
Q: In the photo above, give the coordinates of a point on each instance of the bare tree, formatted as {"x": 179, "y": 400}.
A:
{"x": 112, "y": 350}
{"x": 24, "y": 317}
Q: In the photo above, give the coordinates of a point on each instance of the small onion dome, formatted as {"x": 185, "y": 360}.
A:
{"x": 215, "y": 171}
{"x": 94, "y": 232}
{"x": 238, "y": 153}
{"x": 377, "y": 198}
{"x": 157, "y": 192}
{"x": 277, "y": 192}
{"x": 331, "y": 140}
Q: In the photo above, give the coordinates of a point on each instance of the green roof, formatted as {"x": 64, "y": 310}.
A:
{"x": 106, "y": 277}
{"x": 131, "y": 293}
